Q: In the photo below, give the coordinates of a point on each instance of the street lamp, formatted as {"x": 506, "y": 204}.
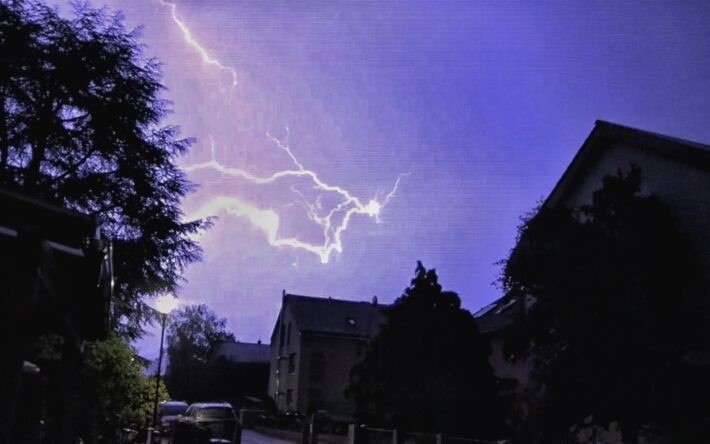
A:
{"x": 163, "y": 305}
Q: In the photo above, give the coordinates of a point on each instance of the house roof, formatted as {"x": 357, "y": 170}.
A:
{"x": 66, "y": 230}
{"x": 607, "y": 134}
{"x": 244, "y": 352}
{"x": 335, "y": 316}
{"x": 501, "y": 313}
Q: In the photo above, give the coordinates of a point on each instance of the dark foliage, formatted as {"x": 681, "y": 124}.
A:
{"x": 428, "y": 368}
{"x": 193, "y": 333}
{"x": 117, "y": 394}
{"x": 615, "y": 317}
{"x": 80, "y": 125}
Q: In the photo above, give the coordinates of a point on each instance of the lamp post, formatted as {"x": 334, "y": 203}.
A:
{"x": 163, "y": 305}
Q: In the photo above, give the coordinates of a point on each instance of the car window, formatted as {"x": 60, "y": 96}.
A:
{"x": 173, "y": 409}
{"x": 216, "y": 413}
{"x": 190, "y": 412}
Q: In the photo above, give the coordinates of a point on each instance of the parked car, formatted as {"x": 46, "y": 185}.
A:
{"x": 211, "y": 421}
{"x": 252, "y": 410}
{"x": 168, "y": 412}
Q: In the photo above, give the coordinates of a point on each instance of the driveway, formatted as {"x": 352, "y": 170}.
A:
{"x": 252, "y": 437}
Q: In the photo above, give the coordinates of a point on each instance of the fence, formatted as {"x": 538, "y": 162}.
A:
{"x": 312, "y": 430}
{"x": 372, "y": 435}
{"x": 304, "y": 429}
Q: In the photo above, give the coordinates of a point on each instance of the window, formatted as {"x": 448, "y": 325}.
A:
{"x": 288, "y": 334}
{"x": 289, "y": 397}
{"x": 317, "y": 369}
{"x": 173, "y": 408}
{"x": 216, "y": 413}
{"x": 292, "y": 362}
{"x": 281, "y": 334}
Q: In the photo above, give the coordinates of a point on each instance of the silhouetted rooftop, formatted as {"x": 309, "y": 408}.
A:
{"x": 607, "y": 134}
{"x": 244, "y": 352}
{"x": 501, "y": 313}
{"x": 335, "y": 316}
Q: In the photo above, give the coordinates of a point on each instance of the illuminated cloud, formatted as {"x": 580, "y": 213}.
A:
{"x": 332, "y": 221}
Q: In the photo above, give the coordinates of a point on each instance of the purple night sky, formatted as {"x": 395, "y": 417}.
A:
{"x": 484, "y": 103}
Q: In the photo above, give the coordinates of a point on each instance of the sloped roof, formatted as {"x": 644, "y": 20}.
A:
{"x": 335, "y": 316}
{"x": 499, "y": 314}
{"x": 244, "y": 352}
{"x": 606, "y": 134}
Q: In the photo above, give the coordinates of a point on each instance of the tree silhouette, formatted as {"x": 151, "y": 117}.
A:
{"x": 428, "y": 368}
{"x": 616, "y": 315}
{"x": 80, "y": 125}
{"x": 193, "y": 333}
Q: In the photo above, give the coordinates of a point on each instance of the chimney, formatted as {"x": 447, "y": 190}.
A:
{"x": 374, "y": 300}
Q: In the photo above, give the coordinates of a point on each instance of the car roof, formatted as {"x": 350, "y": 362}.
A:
{"x": 174, "y": 403}
{"x": 203, "y": 405}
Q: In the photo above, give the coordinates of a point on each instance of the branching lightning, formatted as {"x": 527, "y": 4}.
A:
{"x": 187, "y": 35}
{"x": 268, "y": 220}
{"x": 332, "y": 223}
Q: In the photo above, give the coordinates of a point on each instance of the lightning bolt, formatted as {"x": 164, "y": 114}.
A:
{"x": 268, "y": 220}
{"x": 187, "y": 35}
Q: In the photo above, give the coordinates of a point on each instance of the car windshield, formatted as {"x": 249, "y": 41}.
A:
{"x": 173, "y": 409}
{"x": 216, "y": 413}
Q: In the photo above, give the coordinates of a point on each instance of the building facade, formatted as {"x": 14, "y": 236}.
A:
{"x": 676, "y": 171}
{"x": 314, "y": 345}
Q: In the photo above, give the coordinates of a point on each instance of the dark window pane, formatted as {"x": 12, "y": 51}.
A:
{"x": 292, "y": 362}
{"x": 317, "y": 367}
{"x": 216, "y": 413}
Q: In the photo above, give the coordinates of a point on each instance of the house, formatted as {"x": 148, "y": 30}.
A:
{"x": 676, "y": 171}
{"x": 314, "y": 345}
{"x": 56, "y": 276}
{"x": 496, "y": 322}
{"x": 243, "y": 352}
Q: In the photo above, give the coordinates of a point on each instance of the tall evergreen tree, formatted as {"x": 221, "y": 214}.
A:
{"x": 428, "y": 368}
{"x": 80, "y": 126}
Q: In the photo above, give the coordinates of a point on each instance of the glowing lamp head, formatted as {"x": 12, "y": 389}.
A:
{"x": 166, "y": 303}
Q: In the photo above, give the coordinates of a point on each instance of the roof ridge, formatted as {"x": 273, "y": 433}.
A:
{"x": 692, "y": 153}
{"x": 329, "y": 298}
{"x": 613, "y": 125}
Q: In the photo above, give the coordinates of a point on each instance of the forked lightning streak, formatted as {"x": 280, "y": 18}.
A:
{"x": 333, "y": 223}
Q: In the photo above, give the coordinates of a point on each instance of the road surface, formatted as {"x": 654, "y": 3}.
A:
{"x": 252, "y": 437}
